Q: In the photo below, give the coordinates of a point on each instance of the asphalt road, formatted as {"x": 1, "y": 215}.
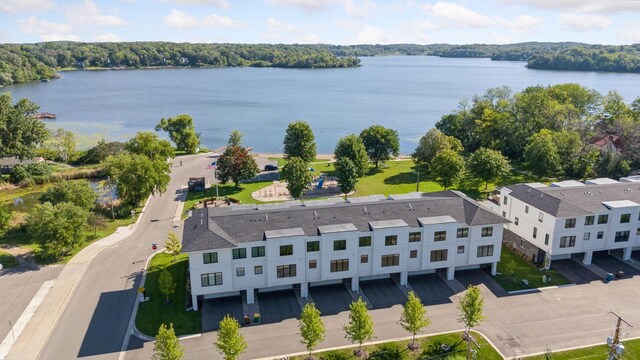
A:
{"x": 94, "y": 323}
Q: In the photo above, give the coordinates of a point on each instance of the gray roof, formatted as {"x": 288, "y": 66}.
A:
{"x": 11, "y": 161}
{"x": 227, "y": 227}
{"x": 575, "y": 201}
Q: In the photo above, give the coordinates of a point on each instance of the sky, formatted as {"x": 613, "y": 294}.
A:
{"x": 322, "y": 21}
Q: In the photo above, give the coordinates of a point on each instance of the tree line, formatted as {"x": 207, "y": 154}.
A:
{"x": 21, "y": 63}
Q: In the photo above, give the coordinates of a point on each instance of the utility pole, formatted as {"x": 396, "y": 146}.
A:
{"x": 113, "y": 217}
{"x": 417, "y": 180}
{"x": 615, "y": 348}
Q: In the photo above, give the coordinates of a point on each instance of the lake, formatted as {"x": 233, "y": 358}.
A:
{"x": 409, "y": 94}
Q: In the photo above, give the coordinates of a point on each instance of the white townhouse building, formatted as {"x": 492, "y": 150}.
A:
{"x": 575, "y": 219}
{"x": 251, "y": 248}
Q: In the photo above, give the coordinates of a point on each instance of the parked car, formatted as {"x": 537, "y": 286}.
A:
{"x": 270, "y": 167}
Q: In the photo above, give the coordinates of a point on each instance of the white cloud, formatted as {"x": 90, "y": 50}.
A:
{"x": 88, "y": 12}
{"x": 106, "y": 37}
{"x": 282, "y": 31}
{"x": 582, "y": 22}
{"x": 456, "y": 15}
{"x": 360, "y": 8}
{"x": 179, "y": 19}
{"x": 590, "y": 6}
{"x": 11, "y": 6}
{"x": 371, "y": 35}
{"x": 523, "y": 24}
{"x": 221, "y": 4}
{"x": 304, "y": 5}
{"x": 47, "y": 30}
{"x": 631, "y": 32}
{"x": 425, "y": 25}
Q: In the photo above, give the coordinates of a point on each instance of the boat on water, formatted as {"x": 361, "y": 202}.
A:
{"x": 45, "y": 115}
{"x": 45, "y": 80}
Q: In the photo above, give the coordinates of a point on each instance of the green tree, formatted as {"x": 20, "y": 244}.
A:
{"x": 471, "y": 306}
{"x": 381, "y": 143}
{"x": 414, "y": 317}
{"x": 5, "y": 217}
{"x": 541, "y": 155}
{"x": 430, "y": 144}
{"x": 311, "y": 327}
{"x": 20, "y": 131}
{"x": 235, "y": 138}
{"x": 100, "y": 152}
{"x": 59, "y": 146}
{"x": 447, "y": 168}
{"x": 56, "y": 228}
{"x": 173, "y": 245}
{"x": 352, "y": 148}
{"x": 166, "y": 285}
{"x": 488, "y": 165}
{"x": 230, "y": 342}
{"x": 613, "y": 166}
{"x": 137, "y": 177}
{"x": 300, "y": 142}
{"x": 360, "y": 326}
{"x": 77, "y": 192}
{"x": 150, "y": 145}
{"x": 96, "y": 221}
{"x": 296, "y": 173}
{"x": 347, "y": 174}
{"x": 236, "y": 164}
{"x": 181, "y": 131}
{"x": 167, "y": 346}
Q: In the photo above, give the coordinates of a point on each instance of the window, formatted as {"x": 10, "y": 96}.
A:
{"x": 257, "y": 251}
{"x": 365, "y": 241}
{"x": 414, "y": 237}
{"x": 339, "y": 265}
{"x": 625, "y": 218}
{"x": 390, "y": 260}
{"x": 339, "y": 245}
{"x": 284, "y": 271}
{"x": 462, "y": 233}
{"x": 240, "y": 271}
{"x": 413, "y": 254}
{"x": 535, "y": 232}
{"x": 546, "y": 239}
{"x": 257, "y": 270}
{"x": 600, "y": 235}
{"x": 540, "y": 216}
{"x": 586, "y": 236}
{"x": 638, "y": 231}
{"x": 390, "y": 240}
{"x": 526, "y": 209}
{"x": 210, "y": 258}
{"x": 439, "y": 255}
{"x": 504, "y": 201}
{"x": 211, "y": 279}
{"x": 487, "y": 231}
{"x": 569, "y": 223}
{"x": 461, "y": 249}
{"x": 504, "y": 214}
{"x": 313, "y": 264}
{"x": 522, "y": 243}
{"x": 567, "y": 241}
{"x": 364, "y": 259}
{"x": 286, "y": 250}
{"x": 440, "y": 236}
{"x": 589, "y": 220}
{"x": 516, "y": 220}
{"x": 484, "y": 251}
{"x": 603, "y": 219}
{"x": 240, "y": 253}
{"x": 313, "y": 246}
{"x": 621, "y": 236}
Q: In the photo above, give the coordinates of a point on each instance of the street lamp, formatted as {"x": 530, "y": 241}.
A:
{"x": 417, "y": 180}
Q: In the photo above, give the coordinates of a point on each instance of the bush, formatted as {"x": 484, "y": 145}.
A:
{"x": 31, "y": 174}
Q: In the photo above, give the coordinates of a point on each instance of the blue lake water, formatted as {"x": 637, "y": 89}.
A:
{"x": 409, "y": 94}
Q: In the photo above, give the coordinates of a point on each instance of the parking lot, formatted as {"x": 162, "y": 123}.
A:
{"x": 431, "y": 289}
{"x": 477, "y": 277}
{"x": 612, "y": 265}
{"x": 331, "y": 299}
{"x": 574, "y": 272}
{"x": 382, "y": 293}
{"x": 214, "y": 310}
{"x": 276, "y": 306}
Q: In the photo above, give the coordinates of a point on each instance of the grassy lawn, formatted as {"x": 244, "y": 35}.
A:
{"x": 282, "y": 161}
{"x": 429, "y": 349}
{"x": 523, "y": 269}
{"x": 8, "y": 260}
{"x": 153, "y": 313}
{"x": 243, "y": 193}
{"x": 632, "y": 351}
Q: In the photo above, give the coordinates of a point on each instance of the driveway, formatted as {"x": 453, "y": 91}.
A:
{"x": 612, "y": 265}
{"x": 574, "y": 272}
{"x": 431, "y": 289}
{"x": 214, "y": 310}
{"x": 479, "y": 277}
{"x": 276, "y": 306}
{"x": 331, "y": 299}
{"x": 382, "y": 293}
